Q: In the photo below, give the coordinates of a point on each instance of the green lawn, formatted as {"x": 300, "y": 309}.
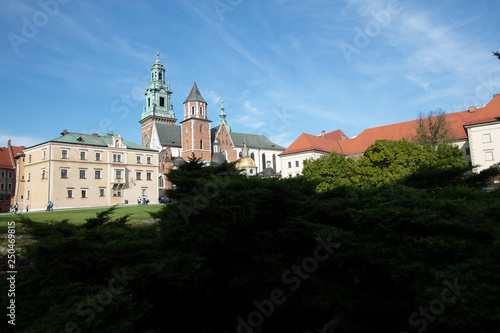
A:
{"x": 78, "y": 216}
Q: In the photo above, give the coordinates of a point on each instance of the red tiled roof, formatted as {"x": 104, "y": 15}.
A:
{"x": 404, "y": 130}
{"x": 5, "y": 161}
{"x": 307, "y": 142}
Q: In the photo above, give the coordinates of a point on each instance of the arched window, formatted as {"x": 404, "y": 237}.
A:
{"x": 263, "y": 161}
{"x": 160, "y": 76}
{"x": 201, "y": 110}
{"x": 192, "y": 110}
{"x": 160, "y": 181}
{"x": 201, "y": 128}
{"x": 274, "y": 162}
{"x": 252, "y": 156}
{"x": 201, "y": 144}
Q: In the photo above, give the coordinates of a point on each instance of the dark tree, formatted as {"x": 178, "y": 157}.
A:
{"x": 433, "y": 128}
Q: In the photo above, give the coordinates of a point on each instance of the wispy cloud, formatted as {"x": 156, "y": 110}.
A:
{"x": 19, "y": 140}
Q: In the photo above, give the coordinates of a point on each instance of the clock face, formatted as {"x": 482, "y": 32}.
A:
{"x": 145, "y": 140}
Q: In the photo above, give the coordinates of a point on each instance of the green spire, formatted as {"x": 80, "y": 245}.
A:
{"x": 222, "y": 117}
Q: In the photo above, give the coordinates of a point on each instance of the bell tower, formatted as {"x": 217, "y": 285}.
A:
{"x": 195, "y": 127}
{"x": 159, "y": 108}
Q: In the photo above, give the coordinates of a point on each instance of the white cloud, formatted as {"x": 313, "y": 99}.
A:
{"x": 22, "y": 140}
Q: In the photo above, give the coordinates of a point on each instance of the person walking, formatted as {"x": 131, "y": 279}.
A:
{"x": 27, "y": 208}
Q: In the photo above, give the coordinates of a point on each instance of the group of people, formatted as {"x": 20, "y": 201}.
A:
{"x": 143, "y": 201}
{"x": 50, "y": 206}
{"x": 14, "y": 209}
{"x": 166, "y": 200}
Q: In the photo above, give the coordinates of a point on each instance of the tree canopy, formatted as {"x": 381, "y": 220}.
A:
{"x": 433, "y": 128}
{"x": 383, "y": 162}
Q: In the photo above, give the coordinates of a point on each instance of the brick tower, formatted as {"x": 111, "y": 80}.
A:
{"x": 195, "y": 127}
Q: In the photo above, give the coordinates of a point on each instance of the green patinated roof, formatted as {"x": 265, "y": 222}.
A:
{"x": 253, "y": 141}
{"x": 93, "y": 140}
{"x": 194, "y": 95}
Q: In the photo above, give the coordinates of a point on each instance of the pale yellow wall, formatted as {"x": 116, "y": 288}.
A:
{"x": 55, "y": 188}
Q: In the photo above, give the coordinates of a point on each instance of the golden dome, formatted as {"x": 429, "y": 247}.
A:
{"x": 245, "y": 162}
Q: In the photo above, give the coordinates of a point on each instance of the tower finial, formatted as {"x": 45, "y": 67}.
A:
{"x": 158, "y": 53}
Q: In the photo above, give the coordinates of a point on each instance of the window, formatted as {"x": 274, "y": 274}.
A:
{"x": 149, "y": 101}
{"x": 148, "y": 175}
{"x": 201, "y": 110}
{"x": 97, "y": 156}
{"x": 138, "y": 175}
{"x": 467, "y": 151}
{"x": 118, "y": 174}
{"x": 263, "y": 161}
{"x": 10, "y": 174}
{"x": 488, "y": 155}
{"x": 186, "y": 129}
{"x": 84, "y": 193}
{"x": 289, "y": 165}
{"x": 101, "y": 192}
{"x": 117, "y": 158}
{"x": 64, "y": 153}
{"x": 29, "y": 158}
{"x": 3, "y": 174}
{"x": 27, "y": 195}
{"x": 97, "y": 174}
{"x": 201, "y": 128}
{"x": 160, "y": 181}
{"x": 162, "y": 100}
{"x": 70, "y": 193}
{"x": 252, "y": 156}
{"x": 148, "y": 160}
{"x": 43, "y": 173}
{"x": 83, "y": 155}
{"x": 201, "y": 144}
{"x": 144, "y": 192}
{"x": 139, "y": 159}
{"x": 2, "y": 186}
{"x": 29, "y": 177}
{"x": 44, "y": 154}
{"x": 486, "y": 138}
{"x": 64, "y": 173}
{"x": 296, "y": 163}
{"x": 82, "y": 174}
{"x": 117, "y": 192}
{"x": 192, "y": 110}
{"x": 9, "y": 186}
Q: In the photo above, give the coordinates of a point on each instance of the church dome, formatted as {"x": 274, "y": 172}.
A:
{"x": 245, "y": 162}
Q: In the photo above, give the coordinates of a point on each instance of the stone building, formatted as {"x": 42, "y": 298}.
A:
{"x": 82, "y": 170}
{"x": 8, "y": 178}
{"x": 476, "y": 132}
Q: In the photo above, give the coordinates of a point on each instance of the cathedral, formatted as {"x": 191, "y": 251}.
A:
{"x": 254, "y": 154}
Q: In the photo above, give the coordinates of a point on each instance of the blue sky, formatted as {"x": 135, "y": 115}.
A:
{"x": 283, "y": 67}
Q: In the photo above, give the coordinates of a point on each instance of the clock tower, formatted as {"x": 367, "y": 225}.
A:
{"x": 195, "y": 128}
{"x": 158, "y": 107}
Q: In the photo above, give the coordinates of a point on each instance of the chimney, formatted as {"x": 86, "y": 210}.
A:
{"x": 8, "y": 143}
{"x": 64, "y": 132}
{"x": 472, "y": 109}
{"x": 95, "y": 134}
{"x": 322, "y": 133}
